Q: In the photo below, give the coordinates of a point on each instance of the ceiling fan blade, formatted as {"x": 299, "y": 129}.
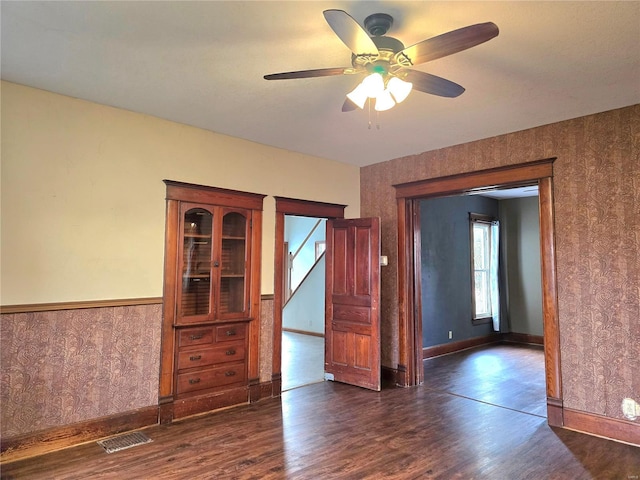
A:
{"x": 350, "y": 32}
{"x": 427, "y": 83}
{"x": 320, "y": 72}
{"x": 348, "y": 105}
{"x": 448, "y": 43}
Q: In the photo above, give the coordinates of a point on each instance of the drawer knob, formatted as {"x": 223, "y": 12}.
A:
{"x": 195, "y": 358}
{"x": 231, "y": 333}
{"x": 196, "y": 336}
{"x": 193, "y": 381}
{"x": 229, "y": 373}
{"x": 230, "y": 352}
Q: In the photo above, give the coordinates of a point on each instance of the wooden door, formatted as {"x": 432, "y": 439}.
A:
{"x": 352, "y": 319}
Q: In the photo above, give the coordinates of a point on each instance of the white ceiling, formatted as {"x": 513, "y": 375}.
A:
{"x": 508, "y": 193}
{"x": 201, "y": 64}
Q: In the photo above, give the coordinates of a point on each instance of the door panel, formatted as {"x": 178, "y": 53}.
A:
{"x": 352, "y": 323}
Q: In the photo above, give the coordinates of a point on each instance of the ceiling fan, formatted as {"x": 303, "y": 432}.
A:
{"x": 387, "y": 61}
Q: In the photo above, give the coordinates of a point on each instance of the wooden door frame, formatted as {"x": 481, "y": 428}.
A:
{"x": 304, "y": 208}
{"x": 410, "y": 370}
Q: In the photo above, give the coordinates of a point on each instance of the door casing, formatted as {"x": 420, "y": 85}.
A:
{"x": 410, "y": 371}
{"x": 305, "y": 208}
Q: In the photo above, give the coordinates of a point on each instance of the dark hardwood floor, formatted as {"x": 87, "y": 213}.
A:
{"x": 333, "y": 431}
{"x": 508, "y": 375}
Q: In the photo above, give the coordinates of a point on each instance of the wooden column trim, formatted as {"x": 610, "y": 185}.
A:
{"x": 405, "y": 276}
{"x": 278, "y": 272}
{"x": 416, "y": 291}
{"x": 167, "y": 345}
{"x": 549, "y": 286}
{"x": 253, "y": 364}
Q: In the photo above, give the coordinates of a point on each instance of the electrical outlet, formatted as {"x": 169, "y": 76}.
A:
{"x": 630, "y": 408}
{"x": 450, "y": 334}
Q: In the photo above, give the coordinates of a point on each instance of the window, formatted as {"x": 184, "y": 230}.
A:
{"x": 484, "y": 268}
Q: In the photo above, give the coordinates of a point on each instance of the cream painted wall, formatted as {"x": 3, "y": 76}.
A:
{"x": 83, "y": 199}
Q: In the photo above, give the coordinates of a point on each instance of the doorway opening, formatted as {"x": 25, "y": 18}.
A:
{"x": 300, "y": 208}
{"x": 303, "y": 302}
{"x": 482, "y": 329}
{"x": 410, "y": 371}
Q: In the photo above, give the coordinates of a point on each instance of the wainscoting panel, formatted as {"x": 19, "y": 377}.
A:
{"x": 61, "y": 367}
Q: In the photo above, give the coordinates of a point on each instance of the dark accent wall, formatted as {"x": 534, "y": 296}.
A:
{"x": 446, "y": 269}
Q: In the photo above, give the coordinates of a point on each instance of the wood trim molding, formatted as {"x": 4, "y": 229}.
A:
{"x": 388, "y": 377}
{"x": 523, "y": 338}
{"x": 437, "y": 350}
{"x": 308, "y": 208}
{"x": 483, "y": 180}
{"x": 551, "y": 325}
{"x": 289, "y": 206}
{"x": 406, "y": 317}
{"x": 189, "y": 192}
{"x": 555, "y": 412}
{"x": 49, "y": 307}
{"x": 57, "y": 438}
{"x": 611, "y": 428}
{"x": 265, "y": 297}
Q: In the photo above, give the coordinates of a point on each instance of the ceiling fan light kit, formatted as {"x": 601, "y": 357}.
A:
{"x": 388, "y": 63}
{"x": 386, "y": 96}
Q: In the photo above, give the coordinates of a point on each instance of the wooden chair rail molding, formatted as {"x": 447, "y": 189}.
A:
{"x": 127, "y": 302}
{"x": 48, "y": 307}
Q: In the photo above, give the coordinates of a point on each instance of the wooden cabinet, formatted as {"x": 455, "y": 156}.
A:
{"x": 211, "y": 357}
{"x": 214, "y": 255}
{"x": 211, "y": 299}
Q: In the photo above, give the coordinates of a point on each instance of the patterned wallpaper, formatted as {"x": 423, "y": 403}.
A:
{"x": 62, "y": 367}
{"x": 597, "y": 215}
{"x": 266, "y": 339}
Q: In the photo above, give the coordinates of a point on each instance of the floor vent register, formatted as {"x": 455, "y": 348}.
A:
{"x": 122, "y": 442}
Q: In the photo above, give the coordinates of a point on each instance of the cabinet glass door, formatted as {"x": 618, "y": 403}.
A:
{"x": 233, "y": 264}
{"x": 196, "y": 263}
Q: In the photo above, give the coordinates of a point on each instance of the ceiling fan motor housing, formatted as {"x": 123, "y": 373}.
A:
{"x": 388, "y": 43}
{"x": 378, "y": 24}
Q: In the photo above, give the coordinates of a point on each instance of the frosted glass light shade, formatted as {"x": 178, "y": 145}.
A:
{"x": 399, "y": 88}
{"x": 358, "y": 95}
{"x": 374, "y": 85}
{"x": 384, "y": 101}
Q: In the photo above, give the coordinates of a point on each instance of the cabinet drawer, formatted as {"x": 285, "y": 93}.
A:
{"x": 227, "y": 333}
{"x": 211, "y": 356}
{"x": 211, "y": 377}
{"x": 195, "y": 336}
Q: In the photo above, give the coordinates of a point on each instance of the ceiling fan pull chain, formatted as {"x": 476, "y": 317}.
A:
{"x": 369, "y": 104}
